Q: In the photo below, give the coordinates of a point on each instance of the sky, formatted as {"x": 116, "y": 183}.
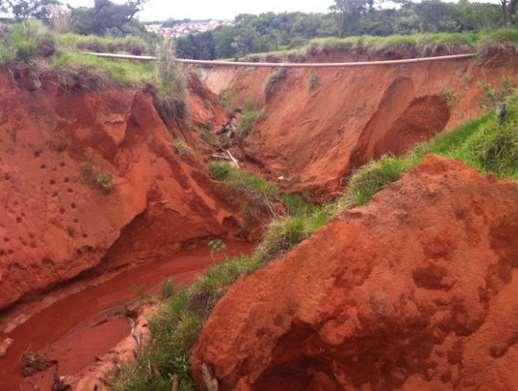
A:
{"x": 216, "y": 9}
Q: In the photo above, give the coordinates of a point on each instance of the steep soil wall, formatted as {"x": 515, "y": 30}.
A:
{"x": 416, "y": 291}
{"x": 315, "y": 137}
{"x": 61, "y": 214}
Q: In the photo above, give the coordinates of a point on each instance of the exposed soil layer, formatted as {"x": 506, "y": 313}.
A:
{"x": 416, "y": 291}
{"x": 314, "y": 136}
{"x": 80, "y": 328}
{"x": 89, "y": 179}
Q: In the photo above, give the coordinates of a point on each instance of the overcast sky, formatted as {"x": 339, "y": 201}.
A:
{"x": 218, "y": 9}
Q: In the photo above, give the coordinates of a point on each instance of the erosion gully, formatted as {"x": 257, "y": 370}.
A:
{"x": 77, "y": 329}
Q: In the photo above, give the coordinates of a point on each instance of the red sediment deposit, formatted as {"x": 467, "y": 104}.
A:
{"x": 416, "y": 291}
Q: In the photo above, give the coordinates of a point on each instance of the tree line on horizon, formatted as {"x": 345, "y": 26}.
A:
{"x": 279, "y": 31}
{"x": 270, "y": 31}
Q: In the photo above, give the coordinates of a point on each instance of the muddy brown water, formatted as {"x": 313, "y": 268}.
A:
{"x": 75, "y": 330}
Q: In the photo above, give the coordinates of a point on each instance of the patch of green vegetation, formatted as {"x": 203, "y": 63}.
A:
{"x": 372, "y": 177}
{"x": 107, "y": 44}
{"x": 249, "y": 118}
{"x": 125, "y": 73}
{"x": 25, "y": 42}
{"x": 274, "y": 79}
{"x": 492, "y": 97}
{"x": 254, "y": 187}
{"x": 170, "y": 82}
{"x": 95, "y": 178}
{"x": 421, "y": 43}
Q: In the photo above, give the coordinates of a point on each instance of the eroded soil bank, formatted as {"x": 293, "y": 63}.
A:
{"x": 415, "y": 291}
{"x": 319, "y": 125}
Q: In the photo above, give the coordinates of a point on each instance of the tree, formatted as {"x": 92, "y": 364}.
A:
{"x": 348, "y": 13}
{"x": 25, "y": 9}
{"x": 105, "y": 16}
{"x": 508, "y": 10}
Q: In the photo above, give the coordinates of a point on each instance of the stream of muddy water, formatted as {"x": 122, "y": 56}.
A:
{"x": 80, "y": 327}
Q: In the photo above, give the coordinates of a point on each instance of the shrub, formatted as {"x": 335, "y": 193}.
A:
{"x": 171, "y": 85}
{"x": 220, "y": 171}
{"x": 277, "y": 76}
{"x": 97, "y": 179}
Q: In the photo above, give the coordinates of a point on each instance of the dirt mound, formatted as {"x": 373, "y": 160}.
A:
{"x": 416, "y": 291}
{"x": 319, "y": 124}
{"x": 89, "y": 176}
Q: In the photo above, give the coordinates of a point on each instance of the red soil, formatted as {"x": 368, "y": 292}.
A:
{"x": 416, "y": 291}
{"x": 54, "y": 225}
{"x": 314, "y": 138}
{"x": 81, "y": 327}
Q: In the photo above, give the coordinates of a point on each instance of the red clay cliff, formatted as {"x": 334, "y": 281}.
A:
{"x": 90, "y": 178}
{"x": 416, "y": 291}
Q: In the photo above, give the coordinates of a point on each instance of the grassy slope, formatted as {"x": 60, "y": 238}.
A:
{"x": 422, "y": 43}
{"x": 482, "y": 144}
{"x": 21, "y": 45}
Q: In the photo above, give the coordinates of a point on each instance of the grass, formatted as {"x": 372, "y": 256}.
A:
{"x": 124, "y": 73}
{"x": 274, "y": 79}
{"x": 262, "y": 193}
{"x": 421, "y": 44}
{"x": 249, "y": 118}
{"x": 107, "y": 44}
{"x": 23, "y": 42}
{"x": 29, "y": 42}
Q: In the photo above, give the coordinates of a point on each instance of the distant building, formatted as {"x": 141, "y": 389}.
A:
{"x": 183, "y": 28}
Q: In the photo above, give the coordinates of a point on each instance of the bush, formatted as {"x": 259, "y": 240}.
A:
{"x": 277, "y": 76}
{"x": 171, "y": 85}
